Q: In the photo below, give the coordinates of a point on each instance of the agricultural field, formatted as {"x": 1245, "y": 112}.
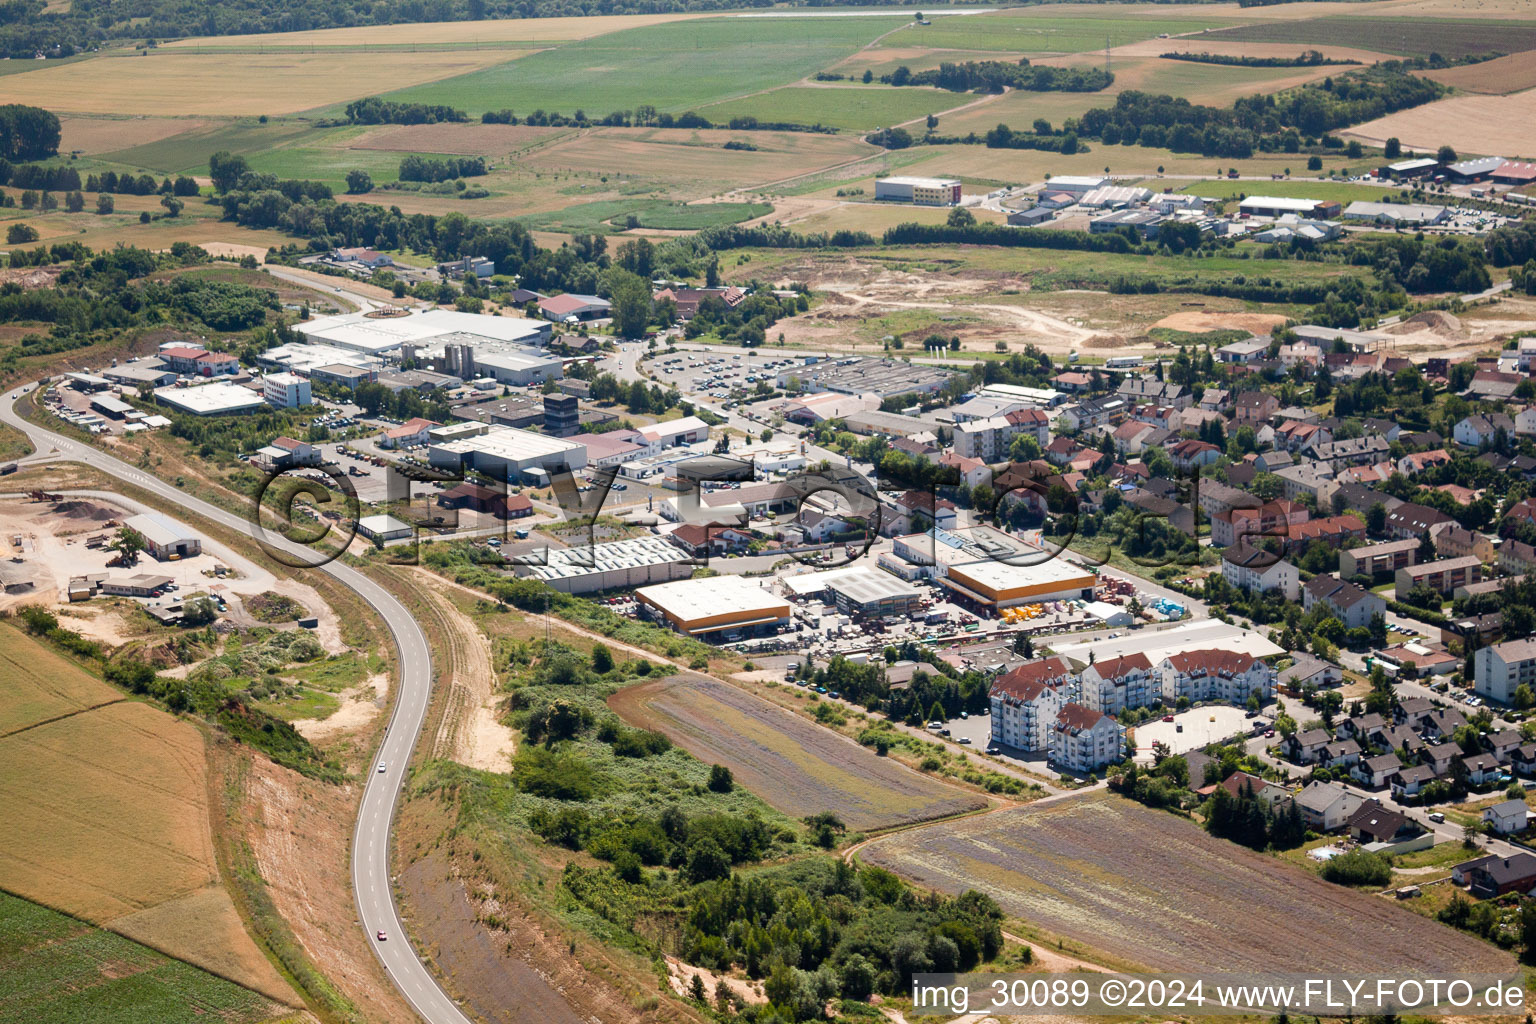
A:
{"x": 1051, "y": 30}
{"x": 1406, "y": 37}
{"x": 1150, "y": 888}
{"x": 611, "y": 216}
{"x": 1514, "y": 73}
{"x": 212, "y": 84}
{"x": 674, "y": 67}
{"x": 850, "y": 107}
{"x": 1492, "y": 125}
{"x": 73, "y": 755}
{"x": 794, "y": 765}
{"x": 543, "y": 31}
{"x": 56, "y": 969}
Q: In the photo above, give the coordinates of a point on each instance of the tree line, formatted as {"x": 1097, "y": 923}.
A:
{"x": 373, "y": 110}
{"x": 1306, "y": 59}
{"x": 424, "y": 168}
{"x": 994, "y": 76}
{"x": 27, "y": 133}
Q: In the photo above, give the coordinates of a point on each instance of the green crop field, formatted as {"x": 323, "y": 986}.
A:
{"x": 1030, "y": 32}
{"x": 673, "y": 67}
{"x": 189, "y": 151}
{"x": 857, "y": 108}
{"x": 58, "y": 970}
{"x": 1410, "y": 37}
{"x": 610, "y": 215}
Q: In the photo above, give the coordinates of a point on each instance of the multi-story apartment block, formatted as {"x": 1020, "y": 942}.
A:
{"x": 1084, "y": 740}
{"x": 1026, "y": 700}
{"x": 1215, "y": 675}
{"x": 1110, "y": 687}
{"x": 1502, "y": 668}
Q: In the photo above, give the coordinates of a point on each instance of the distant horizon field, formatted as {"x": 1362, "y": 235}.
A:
{"x": 1028, "y": 30}
{"x": 1407, "y": 37}
{"x": 853, "y": 108}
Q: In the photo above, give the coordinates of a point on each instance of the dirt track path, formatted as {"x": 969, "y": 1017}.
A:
{"x": 469, "y": 732}
{"x": 1056, "y": 330}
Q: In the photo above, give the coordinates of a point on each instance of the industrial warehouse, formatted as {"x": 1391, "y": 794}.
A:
{"x": 716, "y": 607}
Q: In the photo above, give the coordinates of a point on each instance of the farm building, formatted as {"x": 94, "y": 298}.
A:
{"x": 637, "y": 562}
{"x": 995, "y": 586}
{"x": 1481, "y": 169}
{"x": 919, "y": 191}
{"x": 1403, "y": 170}
{"x": 716, "y": 606}
{"x": 164, "y": 537}
{"x": 1515, "y": 172}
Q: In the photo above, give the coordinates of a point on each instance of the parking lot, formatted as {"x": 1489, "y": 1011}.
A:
{"x": 1192, "y": 729}
{"x": 730, "y": 375}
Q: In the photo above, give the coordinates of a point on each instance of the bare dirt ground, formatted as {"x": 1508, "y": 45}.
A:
{"x": 1196, "y": 323}
{"x": 470, "y": 732}
{"x": 680, "y": 976}
{"x": 1471, "y": 124}
{"x": 299, "y": 832}
{"x": 359, "y": 707}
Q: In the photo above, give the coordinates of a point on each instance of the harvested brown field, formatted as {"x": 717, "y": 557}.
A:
{"x": 1196, "y": 323}
{"x": 698, "y": 155}
{"x": 1471, "y": 124}
{"x": 1500, "y": 77}
{"x": 107, "y": 815}
{"x": 513, "y": 30}
{"x": 92, "y": 135}
{"x": 1153, "y": 889}
{"x": 197, "y": 84}
{"x": 796, "y": 766}
{"x": 471, "y": 139}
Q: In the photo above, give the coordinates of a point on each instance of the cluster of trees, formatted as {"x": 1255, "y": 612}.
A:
{"x": 1247, "y": 820}
{"x": 56, "y": 177}
{"x": 140, "y": 185}
{"x": 1503, "y": 925}
{"x": 373, "y": 110}
{"x": 702, "y": 846}
{"x": 1260, "y": 122}
{"x": 819, "y": 929}
{"x": 27, "y": 133}
{"x": 646, "y": 116}
{"x": 996, "y": 76}
{"x": 748, "y": 321}
{"x": 1511, "y": 245}
{"x": 1307, "y": 59}
{"x": 1358, "y": 867}
{"x": 423, "y": 168}
{"x": 638, "y": 397}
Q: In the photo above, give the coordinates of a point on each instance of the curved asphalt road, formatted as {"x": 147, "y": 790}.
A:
{"x": 370, "y": 839}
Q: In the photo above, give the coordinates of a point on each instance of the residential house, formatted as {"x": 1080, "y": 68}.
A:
{"x": 1377, "y": 771}
{"x": 1189, "y": 454}
{"x": 1026, "y": 700}
{"x": 1215, "y": 399}
{"x": 1373, "y": 822}
{"x": 1507, "y": 816}
{"x": 1217, "y": 498}
{"x": 1306, "y": 747}
{"x": 1410, "y": 781}
{"x": 1482, "y": 768}
{"x": 1354, "y": 451}
{"x": 1339, "y": 754}
{"x": 1504, "y": 743}
{"x": 1452, "y": 541}
{"x": 1523, "y": 759}
{"x": 1415, "y": 462}
{"x": 1252, "y": 408}
{"x": 1239, "y": 783}
{"x": 1273, "y": 461}
{"x": 1295, "y": 436}
{"x": 973, "y": 472}
{"x": 917, "y": 507}
{"x": 1307, "y": 670}
{"x": 1481, "y": 429}
{"x": 1137, "y": 390}
{"x": 704, "y": 539}
{"x": 1409, "y": 520}
{"x": 1327, "y": 806}
{"x": 1305, "y": 478}
{"x": 1272, "y": 519}
{"x": 1517, "y": 558}
{"x": 1495, "y": 874}
{"x": 1335, "y": 531}
{"x": 1258, "y": 571}
{"x": 991, "y": 439}
{"x": 1350, "y": 604}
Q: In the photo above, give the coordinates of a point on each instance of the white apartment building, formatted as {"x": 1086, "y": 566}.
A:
{"x": 1110, "y": 687}
{"x": 1501, "y": 668}
{"x": 1026, "y": 701}
{"x": 990, "y": 439}
{"x": 1083, "y": 740}
{"x": 1215, "y": 675}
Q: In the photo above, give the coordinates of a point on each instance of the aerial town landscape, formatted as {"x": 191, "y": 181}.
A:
{"x": 699, "y": 512}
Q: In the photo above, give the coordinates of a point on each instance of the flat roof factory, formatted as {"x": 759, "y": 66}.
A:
{"x": 637, "y": 562}
{"x": 716, "y": 605}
